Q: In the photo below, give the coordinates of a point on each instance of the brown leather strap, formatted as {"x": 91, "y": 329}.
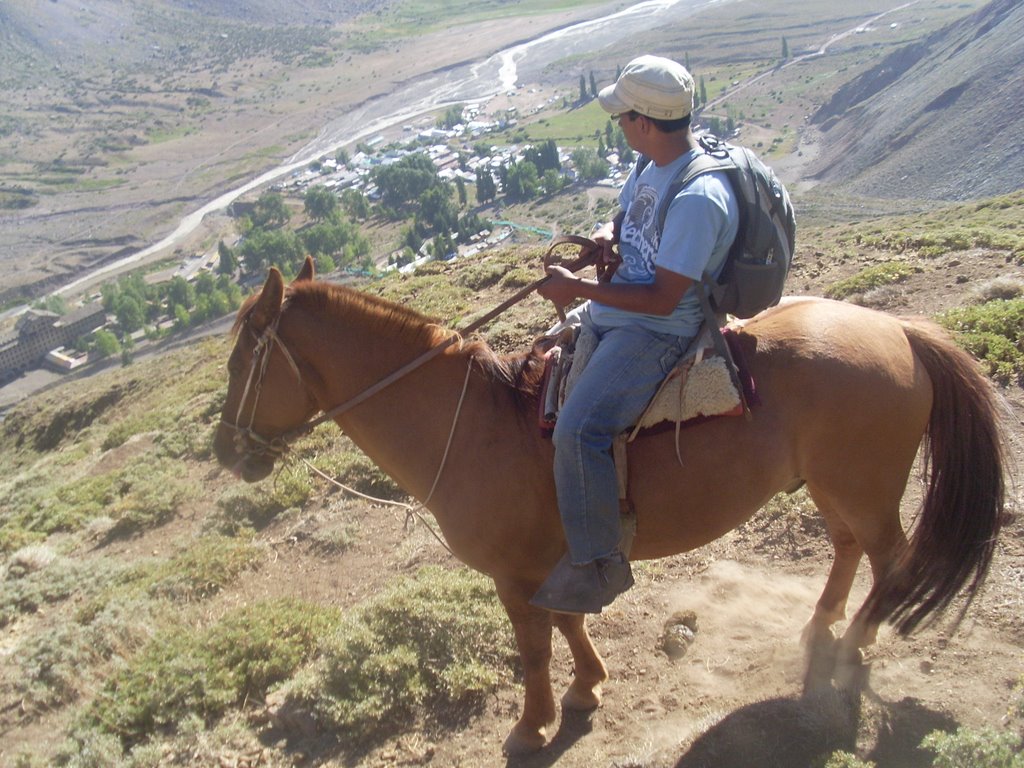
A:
{"x": 587, "y": 255}
{"x": 590, "y": 254}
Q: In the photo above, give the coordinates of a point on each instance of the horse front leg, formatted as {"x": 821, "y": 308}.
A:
{"x": 532, "y": 627}
{"x": 589, "y": 671}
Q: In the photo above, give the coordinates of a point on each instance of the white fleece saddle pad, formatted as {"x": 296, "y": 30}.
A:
{"x": 699, "y": 386}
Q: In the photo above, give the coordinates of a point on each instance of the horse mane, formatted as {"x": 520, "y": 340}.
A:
{"x": 243, "y": 314}
{"x": 522, "y": 372}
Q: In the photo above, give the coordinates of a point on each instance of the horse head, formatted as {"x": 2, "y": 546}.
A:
{"x": 267, "y": 397}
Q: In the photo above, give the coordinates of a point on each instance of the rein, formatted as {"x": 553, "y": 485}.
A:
{"x": 588, "y": 256}
{"x": 251, "y": 442}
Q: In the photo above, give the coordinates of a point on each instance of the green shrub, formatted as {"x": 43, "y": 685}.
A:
{"x": 53, "y": 667}
{"x": 519, "y": 277}
{"x": 90, "y": 749}
{"x": 845, "y": 760}
{"x": 982, "y": 748}
{"x": 56, "y": 667}
{"x": 430, "y": 291}
{"x": 437, "y": 642}
{"x": 204, "y": 569}
{"x": 150, "y": 492}
{"x": 185, "y": 672}
{"x": 872, "y": 277}
{"x": 482, "y": 274}
{"x": 208, "y": 565}
{"x": 1017, "y": 702}
{"x": 255, "y": 505}
{"x": 57, "y": 580}
{"x": 143, "y": 494}
{"x": 994, "y": 333}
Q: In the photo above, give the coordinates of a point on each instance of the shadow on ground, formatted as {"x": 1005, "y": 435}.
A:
{"x": 788, "y": 733}
{"x": 802, "y": 732}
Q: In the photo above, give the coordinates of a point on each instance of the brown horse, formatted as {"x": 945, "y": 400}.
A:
{"x": 847, "y": 397}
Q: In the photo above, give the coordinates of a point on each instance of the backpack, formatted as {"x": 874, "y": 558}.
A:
{"x": 756, "y": 267}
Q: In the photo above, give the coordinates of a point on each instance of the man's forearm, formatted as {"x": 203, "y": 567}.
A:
{"x": 657, "y": 298}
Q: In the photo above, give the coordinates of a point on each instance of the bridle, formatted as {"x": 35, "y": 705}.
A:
{"x": 249, "y": 443}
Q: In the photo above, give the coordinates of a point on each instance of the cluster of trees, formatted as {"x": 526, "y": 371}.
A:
{"x": 486, "y": 186}
{"x": 403, "y": 183}
{"x": 136, "y": 305}
{"x": 331, "y": 239}
{"x": 615, "y": 139}
{"x": 451, "y": 117}
{"x": 589, "y": 164}
{"x": 410, "y": 189}
{"x": 590, "y": 93}
{"x": 540, "y": 170}
{"x": 721, "y": 127}
{"x": 412, "y": 186}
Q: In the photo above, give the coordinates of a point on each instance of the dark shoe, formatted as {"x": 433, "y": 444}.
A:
{"x": 584, "y": 588}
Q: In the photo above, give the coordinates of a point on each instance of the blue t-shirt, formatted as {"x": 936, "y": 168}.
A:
{"x": 699, "y": 229}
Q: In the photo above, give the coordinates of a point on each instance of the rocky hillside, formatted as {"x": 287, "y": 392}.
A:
{"x": 154, "y": 611}
{"x": 940, "y": 119}
{"x": 56, "y": 27}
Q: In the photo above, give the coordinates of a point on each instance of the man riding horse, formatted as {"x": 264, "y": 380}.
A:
{"x": 644, "y": 317}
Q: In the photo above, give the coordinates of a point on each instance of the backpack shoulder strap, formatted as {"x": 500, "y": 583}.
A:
{"x": 700, "y": 165}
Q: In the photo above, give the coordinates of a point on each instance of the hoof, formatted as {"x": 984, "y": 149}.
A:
{"x": 816, "y": 633}
{"x": 582, "y": 698}
{"x": 851, "y": 673}
{"x": 821, "y": 666}
{"x": 523, "y": 740}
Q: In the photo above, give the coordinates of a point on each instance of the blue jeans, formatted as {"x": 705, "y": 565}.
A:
{"x": 610, "y": 396}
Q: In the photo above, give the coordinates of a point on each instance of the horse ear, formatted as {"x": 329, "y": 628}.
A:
{"x": 268, "y": 305}
{"x": 306, "y": 273}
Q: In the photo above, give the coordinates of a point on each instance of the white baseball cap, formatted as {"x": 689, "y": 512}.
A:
{"x": 653, "y": 86}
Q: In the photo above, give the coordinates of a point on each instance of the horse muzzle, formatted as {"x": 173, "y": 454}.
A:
{"x": 248, "y": 457}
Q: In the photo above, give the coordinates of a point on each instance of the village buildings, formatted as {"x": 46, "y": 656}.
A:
{"x": 38, "y": 333}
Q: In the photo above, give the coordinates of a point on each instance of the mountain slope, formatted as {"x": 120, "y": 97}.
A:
{"x": 940, "y": 119}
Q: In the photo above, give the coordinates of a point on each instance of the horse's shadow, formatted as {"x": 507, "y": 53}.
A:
{"x": 794, "y": 732}
{"x": 800, "y": 732}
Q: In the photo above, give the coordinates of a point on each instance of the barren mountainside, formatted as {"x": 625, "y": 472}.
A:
{"x": 54, "y": 27}
{"x": 941, "y": 119}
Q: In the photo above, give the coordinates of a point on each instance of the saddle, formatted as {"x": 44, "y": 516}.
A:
{"x": 704, "y": 384}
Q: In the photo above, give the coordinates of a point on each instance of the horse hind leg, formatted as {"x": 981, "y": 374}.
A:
{"x": 817, "y": 637}
{"x": 860, "y": 524}
{"x": 589, "y": 671}
{"x": 883, "y": 550}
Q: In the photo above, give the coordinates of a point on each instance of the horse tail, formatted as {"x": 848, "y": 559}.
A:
{"x": 952, "y": 544}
